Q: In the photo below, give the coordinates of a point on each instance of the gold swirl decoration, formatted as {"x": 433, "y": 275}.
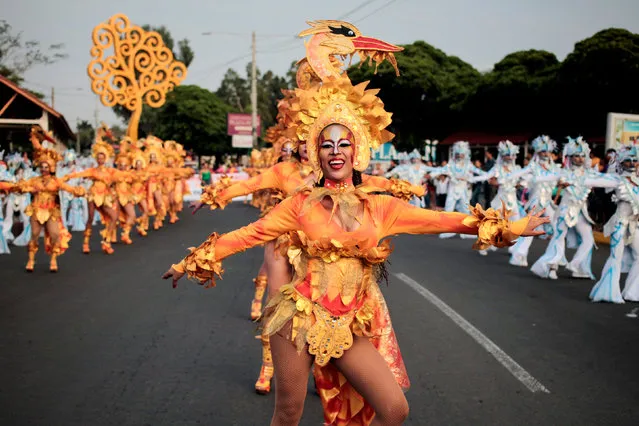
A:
{"x": 131, "y": 67}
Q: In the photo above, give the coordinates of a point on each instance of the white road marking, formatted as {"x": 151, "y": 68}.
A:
{"x": 633, "y": 313}
{"x": 504, "y": 359}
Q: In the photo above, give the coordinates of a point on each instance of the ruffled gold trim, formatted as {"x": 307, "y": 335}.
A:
{"x": 494, "y": 228}
{"x": 404, "y": 190}
{"x": 331, "y": 250}
{"x": 327, "y": 335}
{"x": 201, "y": 264}
{"x": 210, "y": 195}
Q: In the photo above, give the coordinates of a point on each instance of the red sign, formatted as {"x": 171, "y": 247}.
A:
{"x": 241, "y": 124}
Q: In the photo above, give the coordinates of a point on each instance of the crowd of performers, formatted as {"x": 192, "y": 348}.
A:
{"x": 560, "y": 192}
{"x": 326, "y": 240}
{"x": 71, "y": 193}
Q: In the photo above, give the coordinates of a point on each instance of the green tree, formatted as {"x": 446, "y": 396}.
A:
{"x": 516, "y": 96}
{"x": 196, "y": 118}
{"x": 235, "y": 90}
{"x": 427, "y": 98}
{"x": 18, "y": 55}
{"x": 599, "y": 76}
{"x": 86, "y": 134}
{"x": 183, "y": 53}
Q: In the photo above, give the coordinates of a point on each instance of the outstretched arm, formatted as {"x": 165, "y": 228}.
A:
{"x": 490, "y": 226}
{"x": 397, "y": 187}
{"x": 78, "y": 191}
{"x": 204, "y": 262}
{"x": 82, "y": 174}
{"x": 219, "y": 195}
{"x": 603, "y": 180}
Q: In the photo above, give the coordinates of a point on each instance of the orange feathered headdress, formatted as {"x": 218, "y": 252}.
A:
{"x": 339, "y": 102}
{"x": 41, "y": 154}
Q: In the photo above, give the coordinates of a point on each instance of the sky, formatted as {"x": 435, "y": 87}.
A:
{"x": 479, "y": 32}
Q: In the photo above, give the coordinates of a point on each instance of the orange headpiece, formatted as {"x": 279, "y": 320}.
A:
{"x": 153, "y": 146}
{"x": 339, "y": 102}
{"x": 41, "y": 154}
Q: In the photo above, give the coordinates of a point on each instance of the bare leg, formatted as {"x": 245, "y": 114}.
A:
{"x": 292, "y": 378}
{"x": 279, "y": 273}
{"x": 54, "y": 235}
{"x": 88, "y": 229}
{"x": 143, "y": 220}
{"x": 160, "y": 209}
{"x": 32, "y": 247}
{"x": 365, "y": 369}
{"x": 110, "y": 228}
{"x": 173, "y": 209}
{"x": 129, "y": 212}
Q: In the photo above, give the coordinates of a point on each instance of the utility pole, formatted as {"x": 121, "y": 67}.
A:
{"x": 95, "y": 114}
{"x": 53, "y": 98}
{"x": 254, "y": 94}
{"x": 77, "y": 136}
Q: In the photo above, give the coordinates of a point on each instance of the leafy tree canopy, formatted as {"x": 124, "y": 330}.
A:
{"x": 195, "y": 117}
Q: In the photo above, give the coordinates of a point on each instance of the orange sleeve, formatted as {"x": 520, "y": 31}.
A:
{"x": 399, "y": 188}
{"x": 87, "y": 173}
{"x": 204, "y": 262}
{"x": 403, "y": 218}
{"x": 490, "y": 226}
{"x": 6, "y": 186}
{"x": 78, "y": 191}
{"x": 269, "y": 179}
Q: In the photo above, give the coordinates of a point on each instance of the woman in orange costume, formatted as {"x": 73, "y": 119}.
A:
{"x": 124, "y": 191}
{"x": 101, "y": 196}
{"x": 44, "y": 209}
{"x": 332, "y": 314}
{"x": 139, "y": 189}
{"x": 172, "y": 179}
{"x": 287, "y": 176}
{"x": 155, "y": 155}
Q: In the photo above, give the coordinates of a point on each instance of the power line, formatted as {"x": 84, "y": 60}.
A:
{"x": 376, "y": 10}
{"x": 290, "y": 45}
{"x": 259, "y": 35}
{"x": 361, "y": 6}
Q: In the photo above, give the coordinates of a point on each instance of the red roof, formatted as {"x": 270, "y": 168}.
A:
{"x": 479, "y": 138}
{"x": 31, "y": 97}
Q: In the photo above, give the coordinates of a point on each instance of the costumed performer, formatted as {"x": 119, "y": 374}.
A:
{"x": 44, "y": 209}
{"x": 624, "y": 239}
{"x": 575, "y": 181}
{"x": 330, "y": 313}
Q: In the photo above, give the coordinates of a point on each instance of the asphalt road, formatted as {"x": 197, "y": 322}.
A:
{"x": 107, "y": 342}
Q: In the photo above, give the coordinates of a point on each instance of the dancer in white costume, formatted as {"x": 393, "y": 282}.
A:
{"x": 507, "y": 173}
{"x": 415, "y": 175}
{"x": 401, "y": 170}
{"x": 624, "y": 238}
{"x": 540, "y": 177}
{"x": 577, "y": 178}
{"x": 74, "y": 210}
{"x": 18, "y": 203}
{"x": 461, "y": 173}
{"x": 5, "y": 176}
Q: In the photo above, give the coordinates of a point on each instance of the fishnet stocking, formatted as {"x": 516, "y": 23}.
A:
{"x": 291, "y": 373}
{"x": 368, "y": 373}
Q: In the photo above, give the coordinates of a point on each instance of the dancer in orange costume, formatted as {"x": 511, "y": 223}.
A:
{"x": 139, "y": 188}
{"x": 124, "y": 191}
{"x": 172, "y": 180}
{"x": 44, "y": 209}
{"x": 155, "y": 160}
{"x": 332, "y": 313}
{"x": 101, "y": 196}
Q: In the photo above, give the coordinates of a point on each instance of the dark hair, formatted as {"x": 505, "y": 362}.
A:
{"x": 295, "y": 155}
